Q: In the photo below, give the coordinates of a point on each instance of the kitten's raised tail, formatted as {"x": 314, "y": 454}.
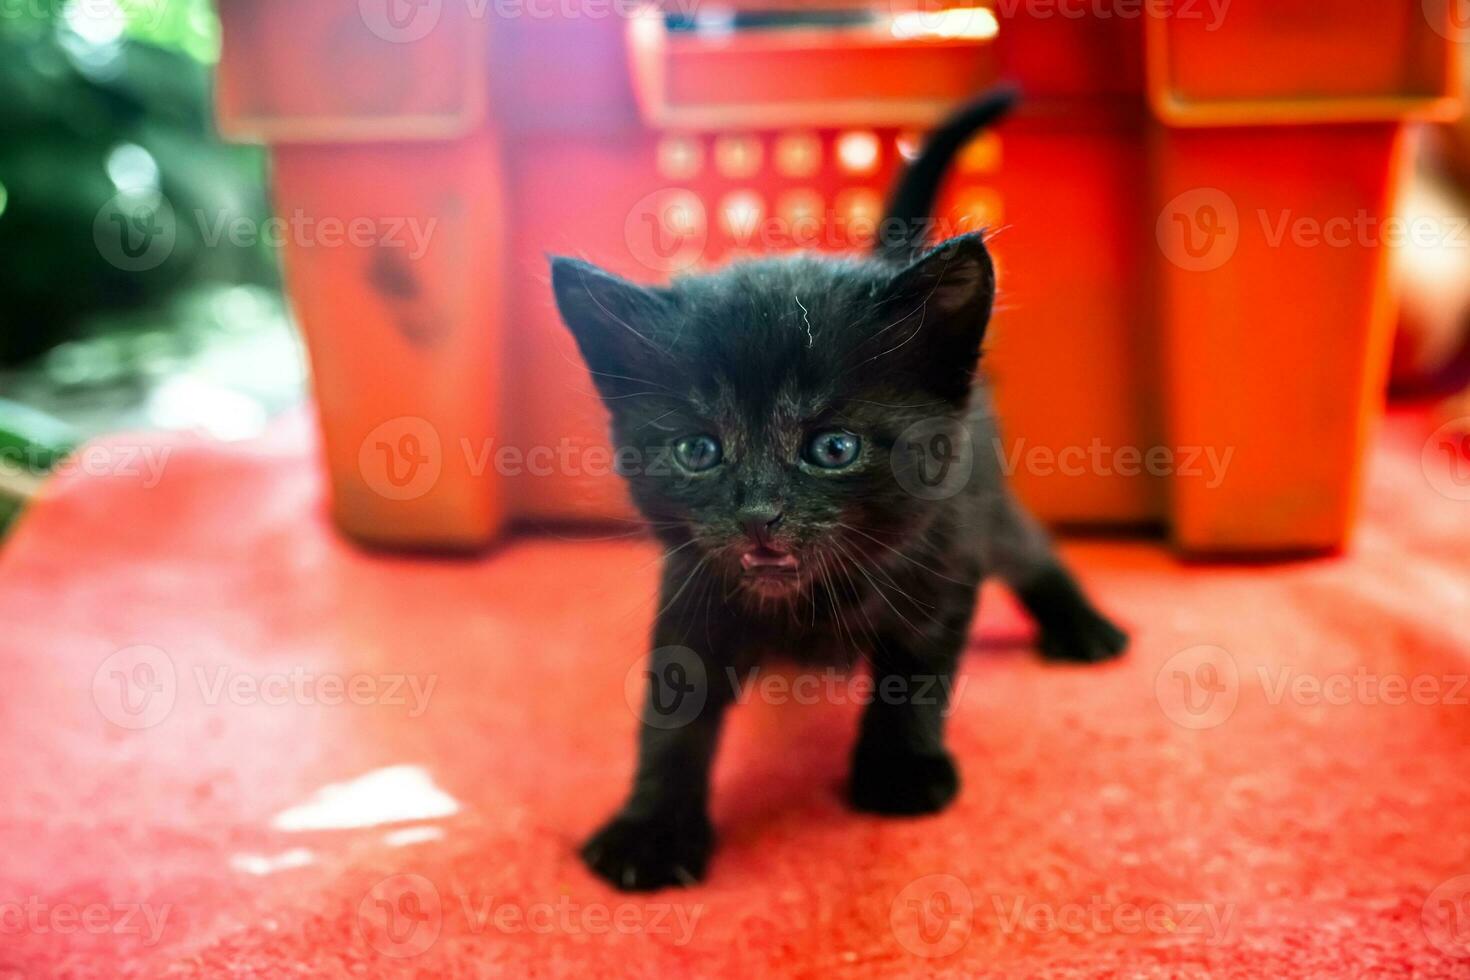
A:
{"x": 910, "y": 208}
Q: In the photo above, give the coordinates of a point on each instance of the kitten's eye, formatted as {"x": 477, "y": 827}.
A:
{"x": 698, "y": 453}
{"x": 832, "y": 450}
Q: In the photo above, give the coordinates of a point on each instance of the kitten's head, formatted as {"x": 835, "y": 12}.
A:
{"x": 756, "y": 409}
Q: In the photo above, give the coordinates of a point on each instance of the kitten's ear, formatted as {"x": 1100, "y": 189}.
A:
{"x": 945, "y": 297}
{"x": 612, "y": 320}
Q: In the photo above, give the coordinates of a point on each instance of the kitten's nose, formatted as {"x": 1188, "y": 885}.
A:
{"x": 760, "y": 523}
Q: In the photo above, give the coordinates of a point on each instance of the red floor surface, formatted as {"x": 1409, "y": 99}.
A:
{"x": 1276, "y": 782}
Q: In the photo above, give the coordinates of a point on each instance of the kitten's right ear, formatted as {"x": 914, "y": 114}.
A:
{"x": 614, "y": 322}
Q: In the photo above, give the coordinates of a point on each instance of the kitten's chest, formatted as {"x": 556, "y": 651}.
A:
{"x": 820, "y": 630}
{"x": 812, "y": 648}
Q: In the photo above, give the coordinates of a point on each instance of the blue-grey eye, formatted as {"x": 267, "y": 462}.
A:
{"x": 833, "y": 450}
{"x": 698, "y": 453}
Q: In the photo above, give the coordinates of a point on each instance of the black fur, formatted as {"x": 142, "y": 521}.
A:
{"x": 762, "y": 355}
{"x": 911, "y": 204}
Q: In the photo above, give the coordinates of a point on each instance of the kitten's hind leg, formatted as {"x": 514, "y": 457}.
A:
{"x": 1072, "y": 629}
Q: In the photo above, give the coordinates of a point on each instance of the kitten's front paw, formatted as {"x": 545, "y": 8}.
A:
{"x": 637, "y": 854}
{"x": 902, "y": 784}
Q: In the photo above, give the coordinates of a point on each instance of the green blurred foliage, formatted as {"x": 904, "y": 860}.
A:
{"x": 189, "y": 26}
{"x": 105, "y": 107}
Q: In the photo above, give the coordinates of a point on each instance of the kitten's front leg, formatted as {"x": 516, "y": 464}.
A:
{"x": 662, "y": 835}
{"x": 900, "y": 766}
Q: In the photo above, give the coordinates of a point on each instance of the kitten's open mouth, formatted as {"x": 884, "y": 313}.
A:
{"x": 761, "y": 561}
{"x": 770, "y": 573}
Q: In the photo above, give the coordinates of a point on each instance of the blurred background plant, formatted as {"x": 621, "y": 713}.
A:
{"x": 126, "y": 303}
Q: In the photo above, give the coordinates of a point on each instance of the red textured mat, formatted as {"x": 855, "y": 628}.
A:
{"x": 1276, "y": 782}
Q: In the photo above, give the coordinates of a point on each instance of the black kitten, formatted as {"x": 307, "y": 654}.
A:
{"x": 807, "y": 437}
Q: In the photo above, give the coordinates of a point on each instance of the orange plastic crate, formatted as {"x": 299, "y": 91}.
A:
{"x": 568, "y": 134}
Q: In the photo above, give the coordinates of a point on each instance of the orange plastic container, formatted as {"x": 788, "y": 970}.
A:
{"x": 390, "y": 185}
{"x": 1274, "y": 187}
{"x": 806, "y": 76}
{"x": 1121, "y": 359}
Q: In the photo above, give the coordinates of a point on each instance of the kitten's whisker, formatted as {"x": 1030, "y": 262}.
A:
{"x": 623, "y": 323}
{"x": 881, "y": 594}
{"x": 927, "y": 609}
{"x": 631, "y": 394}
{"x": 623, "y": 377}
{"x": 655, "y": 421}
{"x": 857, "y": 555}
{"x": 837, "y": 611}
{"x": 907, "y": 558}
{"x": 929, "y": 404}
{"x": 843, "y": 563}
{"x": 675, "y": 597}
{"x": 576, "y": 362}
{"x": 917, "y": 330}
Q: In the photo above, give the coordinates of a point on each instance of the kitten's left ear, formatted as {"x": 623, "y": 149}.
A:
{"x": 945, "y": 297}
{"x": 612, "y": 320}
